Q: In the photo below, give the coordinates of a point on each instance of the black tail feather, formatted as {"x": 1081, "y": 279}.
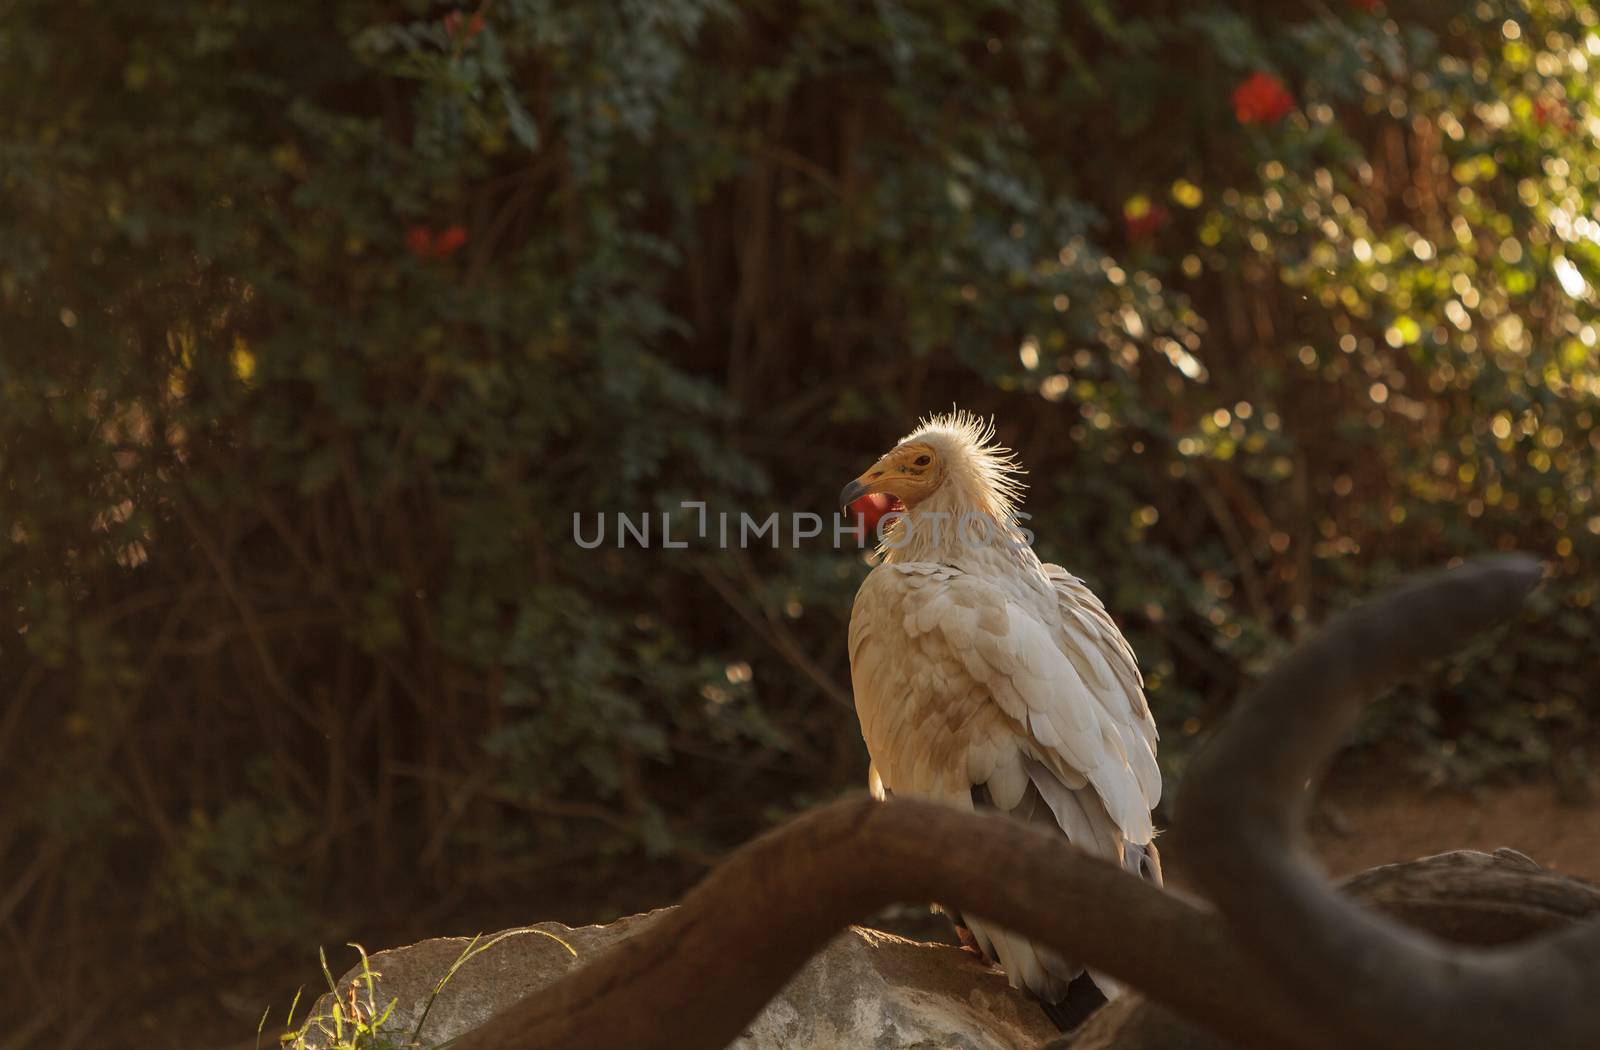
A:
{"x": 1082, "y": 999}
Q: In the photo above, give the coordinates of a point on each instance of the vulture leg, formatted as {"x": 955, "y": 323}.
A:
{"x": 1082, "y": 997}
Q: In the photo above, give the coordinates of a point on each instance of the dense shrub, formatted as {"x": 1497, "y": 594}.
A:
{"x": 321, "y": 320}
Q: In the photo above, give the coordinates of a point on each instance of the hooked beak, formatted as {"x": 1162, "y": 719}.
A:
{"x": 852, "y": 492}
{"x": 865, "y": 485}
{"x": 876, "y": 481}
{"x": 869, "y": 495}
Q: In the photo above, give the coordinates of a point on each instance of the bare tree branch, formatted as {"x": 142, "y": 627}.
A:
{"x": 694, "y": 979}
{"x": 1286, "y": 964}
{"x": 1463, "y": 896}
{"x": 1370, "y": 980}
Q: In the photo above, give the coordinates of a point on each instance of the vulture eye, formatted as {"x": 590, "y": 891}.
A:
{"x": 922, "y": 461}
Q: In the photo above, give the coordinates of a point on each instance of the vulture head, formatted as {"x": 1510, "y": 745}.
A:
{"x": 954, "y": 457}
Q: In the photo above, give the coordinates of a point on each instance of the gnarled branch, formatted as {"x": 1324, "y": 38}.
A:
{"x": 1285, "y": 963}
{"x": 1373, "y": 981}
{"x": 696, "y": 977}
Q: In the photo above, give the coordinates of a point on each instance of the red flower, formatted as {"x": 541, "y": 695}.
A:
{"x": 419, "y": 240}
{"x": 1261, "y": 99}
{"x": 422, "y": 243}
{"x": 452, "y": 25}
{"x": 1142, "y": 218}
{"x": 1547, "y": 111}
{"x": 449, "y": 242}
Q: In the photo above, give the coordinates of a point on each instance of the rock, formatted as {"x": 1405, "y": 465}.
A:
{"x": 867, "y": 989}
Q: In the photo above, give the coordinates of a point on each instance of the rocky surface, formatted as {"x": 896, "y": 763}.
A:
{"x": 867, "y": 989}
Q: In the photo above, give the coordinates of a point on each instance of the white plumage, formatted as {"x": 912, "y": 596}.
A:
{"x": 985, "y": 677}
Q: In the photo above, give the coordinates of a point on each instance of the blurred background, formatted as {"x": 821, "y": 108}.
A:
{"x": 319, "y": 322}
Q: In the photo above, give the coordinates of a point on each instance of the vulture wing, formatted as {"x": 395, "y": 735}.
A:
{"x": 1105, "y": 661}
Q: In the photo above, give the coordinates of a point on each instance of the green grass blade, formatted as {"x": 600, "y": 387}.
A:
{"x": 474, "y": 948}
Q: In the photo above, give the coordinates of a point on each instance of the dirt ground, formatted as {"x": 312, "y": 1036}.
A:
{"x": 1360, "y": 825}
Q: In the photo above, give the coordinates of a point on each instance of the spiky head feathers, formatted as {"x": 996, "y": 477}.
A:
{"x": 951, "y": 462}
{"x": 965, "y": 446}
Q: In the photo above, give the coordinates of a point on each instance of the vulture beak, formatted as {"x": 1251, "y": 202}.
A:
{"x": 865, "y": 485}
{"x": 875, "y": 483}
{"x": 869, "y": 497}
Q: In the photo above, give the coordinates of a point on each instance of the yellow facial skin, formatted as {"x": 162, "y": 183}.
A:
{"x": 911, "y": 472}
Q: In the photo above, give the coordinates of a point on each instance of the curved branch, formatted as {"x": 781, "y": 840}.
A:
{"x": 696, "y": 977}
{"x": 1374, "y": 982}
{"x": 1287, "y": 963}
{"x": 1463, "y": 896}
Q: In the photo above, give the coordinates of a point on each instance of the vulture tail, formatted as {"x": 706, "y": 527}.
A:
{"x": 1083, "y": 998}
{"x": 1076, "y": 993}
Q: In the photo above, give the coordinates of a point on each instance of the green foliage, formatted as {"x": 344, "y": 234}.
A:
{"x": 354, "y": 1020}
{"x": 287, "y": 475}
{"x": 234, "y": 872}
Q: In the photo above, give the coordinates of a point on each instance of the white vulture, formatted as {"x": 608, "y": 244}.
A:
{"x": 985, "y": 678}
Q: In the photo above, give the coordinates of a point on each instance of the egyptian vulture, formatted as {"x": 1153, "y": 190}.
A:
{"x": 986, "y": 679}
